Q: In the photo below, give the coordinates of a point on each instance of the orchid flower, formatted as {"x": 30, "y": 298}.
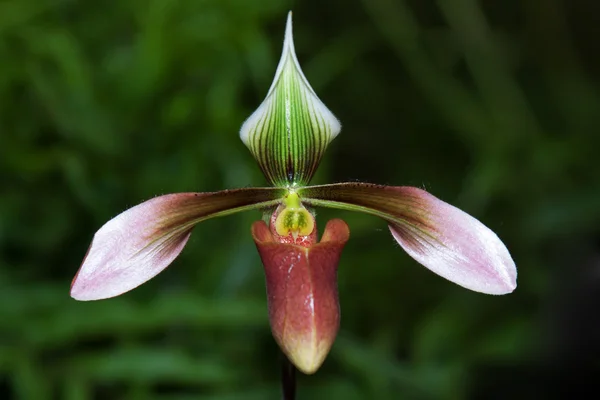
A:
{"x": 288, "y": 135}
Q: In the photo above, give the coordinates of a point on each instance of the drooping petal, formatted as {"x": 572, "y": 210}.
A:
{"x": 291, "y": 129}
{"x": 443, "y": 238}
{"x": 137, "y": 244}
{"x": 302, "y": 292}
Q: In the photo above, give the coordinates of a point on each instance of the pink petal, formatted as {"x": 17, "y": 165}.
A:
{"x": 460, "y": 248}
{"x": 139, "y": 243}
{"x": 128, "y": 250}
{"x": 443, "y": 238}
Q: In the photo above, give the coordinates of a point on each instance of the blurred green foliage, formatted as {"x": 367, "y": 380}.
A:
{"x": 492, "y": 106}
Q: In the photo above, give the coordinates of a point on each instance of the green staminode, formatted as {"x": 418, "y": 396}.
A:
{"x": 294, "y": 218}
{"x": 291, "y": 129}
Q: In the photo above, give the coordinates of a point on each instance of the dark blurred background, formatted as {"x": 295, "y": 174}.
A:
{"x": 491, "y": 105}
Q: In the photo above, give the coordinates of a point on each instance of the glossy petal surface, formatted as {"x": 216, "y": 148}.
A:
{"x": 441, "y": 237}
{"x": 302, "y": 292}
{"x": 137, "y": 244}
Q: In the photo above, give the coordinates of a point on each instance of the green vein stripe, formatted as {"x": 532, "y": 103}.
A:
{"x": 289, "y": 149}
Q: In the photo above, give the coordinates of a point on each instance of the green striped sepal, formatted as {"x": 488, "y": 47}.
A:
{"x": 291, "y": 129}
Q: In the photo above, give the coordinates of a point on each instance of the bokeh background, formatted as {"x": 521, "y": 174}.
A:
{"x": 491, "y": 105}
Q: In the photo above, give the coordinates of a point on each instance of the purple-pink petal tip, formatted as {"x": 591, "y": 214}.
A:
{"x": 130, "y": 249}
{"x": 457, "y": 246}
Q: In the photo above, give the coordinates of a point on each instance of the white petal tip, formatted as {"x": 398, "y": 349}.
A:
{"x": 505, "y": 285}
{"x": 80, "y": 295}
{"x": 288, "y": 31}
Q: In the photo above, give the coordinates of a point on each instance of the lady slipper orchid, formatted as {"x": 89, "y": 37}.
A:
{"x": 288, "y": 135}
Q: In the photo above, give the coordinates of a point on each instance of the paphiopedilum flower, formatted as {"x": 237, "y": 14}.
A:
{"x": 288, "y": 135}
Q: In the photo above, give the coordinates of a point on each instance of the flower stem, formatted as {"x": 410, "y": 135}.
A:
{"x": 288, "y": 379}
